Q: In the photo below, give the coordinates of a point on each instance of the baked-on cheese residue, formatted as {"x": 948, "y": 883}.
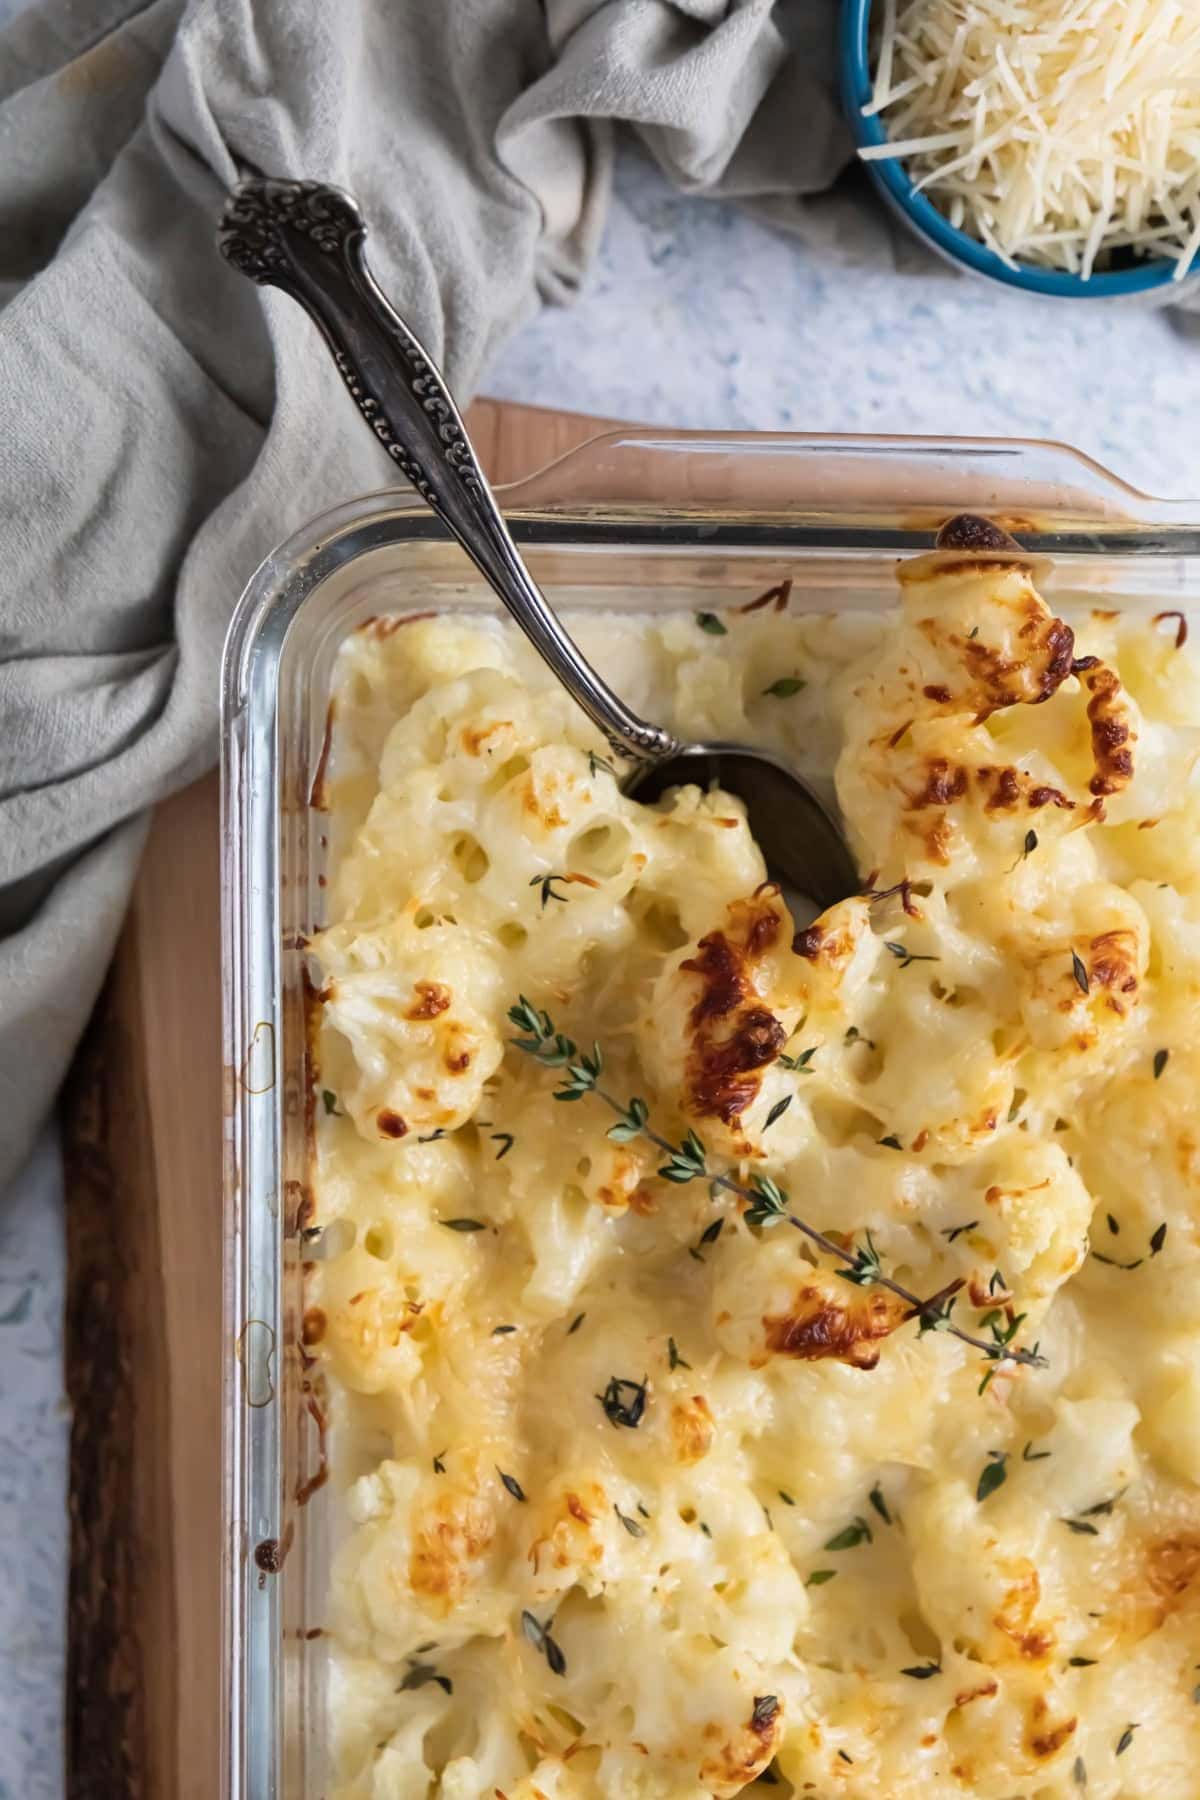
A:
{"x": 644, "y": 1501}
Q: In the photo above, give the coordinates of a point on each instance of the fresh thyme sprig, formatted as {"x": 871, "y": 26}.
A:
{"x": 768, "y": 1203}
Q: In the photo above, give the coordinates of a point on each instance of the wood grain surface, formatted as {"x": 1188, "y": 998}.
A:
{"x": 144, "y": 1347}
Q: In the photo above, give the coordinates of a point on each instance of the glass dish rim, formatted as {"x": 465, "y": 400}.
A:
{"x": 1098, "y": 515}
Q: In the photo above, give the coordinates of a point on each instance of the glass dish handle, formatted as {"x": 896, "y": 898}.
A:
{"x": 307, "y": 239}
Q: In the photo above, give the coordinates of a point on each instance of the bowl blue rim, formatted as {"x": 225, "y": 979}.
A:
{"x": 892, "y": 180}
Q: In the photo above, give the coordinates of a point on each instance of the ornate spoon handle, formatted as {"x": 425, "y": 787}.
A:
{"x": 307, "y": 239}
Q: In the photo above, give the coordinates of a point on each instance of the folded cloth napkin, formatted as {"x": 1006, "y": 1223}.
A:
{"x": 164, "y": 423}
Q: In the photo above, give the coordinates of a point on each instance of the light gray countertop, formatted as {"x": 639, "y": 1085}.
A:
{"x": 695, "y": 315}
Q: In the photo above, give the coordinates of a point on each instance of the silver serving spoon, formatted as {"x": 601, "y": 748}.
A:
{"x": 307, "y": 239}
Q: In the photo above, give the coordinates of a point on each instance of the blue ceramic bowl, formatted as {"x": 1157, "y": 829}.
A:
{"x": 933, "y": 228}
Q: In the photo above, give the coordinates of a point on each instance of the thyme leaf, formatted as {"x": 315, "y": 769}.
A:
{"x": 923, "y": 1671}
{"x": 993, "y": 1475}
{"x": 420, "y": 1675}
{"x": 329, "y": 1101}
{"x": 1031, "y": 843}
{"x": 1125, "y": 1739}
{"x": 777, "y": 1111}
{"x": 857, "y": 1532}
{"x": 1158, "y": 1238}
{"x": 1029, "y": 1454}
{"x": 819, "y": 1577}
{"x": 1079, "y": 970}
{"x": 766, "y": 1706}
{"x": 546, "y": 883}
{"x": 951, "y": 1232}
{"x": 463, "y": 1224}
{"x": 513, "y": 1485}
{"x": 1080, "y": 1527}
{"x": 799, "y": 1064}
{"x": 576, "y": 1322}
{"x": 539, "y": 1636}
{"x": 674, "y": 1360}
{"x": 1160, "y": 1062}
{"x": 598, "y": 763}
{"x": 785, "y": 687}
{"x": 709, "y": 622}
{"x": 631, "y": 1525}
{"x": 879, "y": 1503}
{"x": 624, "y": 1401}
{"x": 904, "y": 955}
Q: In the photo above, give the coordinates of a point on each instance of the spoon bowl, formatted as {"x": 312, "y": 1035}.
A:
{"x": 307, "y": 239}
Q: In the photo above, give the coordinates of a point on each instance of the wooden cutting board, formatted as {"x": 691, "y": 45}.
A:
{"x": 144, "y": 1347}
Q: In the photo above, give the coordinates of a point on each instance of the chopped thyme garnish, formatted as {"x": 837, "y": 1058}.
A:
{"x": 923, "y": 1671}
{"x": 1103, "y": 1508}
{"x": 539, "y": 1636}
{"x": 624, "y": 1401}
{"x": 819, "y": 1577}
{"x": 712, "y": 1232}
{"x": 1112, "y": 1224}
{"x": 857, "y": 1532}
{"x": 674, "y": 1360}
{"x": 598, "y": 763}
{"x": 1029, "y": 1454}
{"x": 1111, "y": 1262}
{"x": 843, "y": 1757}
{"x": 1080, "y": 1527}
{"x": 993, "y": 1475}
{"x": 768, "y": 1203}
{"x": 329, "y": 1101}
{"x": 1079, "y": 970}
{"x": 1125, "y": 1739}
{"x": 1158, "y": 1238}
{"x": 1160, "y": 1062}
{"x": 432, "y": 1136}
{"x": 777, "y": 1111}
{"x": 785, "y": 1497}
{"x": 503, "y": 1330}
{"x": 643, "y": 1511}
{"x": 463, "y": 1224}
{"x": 879, "y": 1503}
{"x": 855, "y": 1036}
{"x": 950, "y": 1232}
{"x": 905, "y": 956}
{"x": 631, "y": 1525}
{"x": 765, "y": 1708}
{"x": 513, "y": 1485}
{"x": 576, "y": 1322}
{"x": 546, "y": 883}
{"x": 1031, "y": 843}
{"x": 709, "y": 622}
{"x": 891, "y": 1142}
{"x": 506, "y": 1140}
{"x": 1081, "y": 1662}
{"x": 439, "y": 1466}
{"x": 420, "y": 1675}
{"x": 704, "y": 1528}
{"x": 785, "y": 687}
{"x": 1079, "y": 1772}
{"x": 800, "y": 1064}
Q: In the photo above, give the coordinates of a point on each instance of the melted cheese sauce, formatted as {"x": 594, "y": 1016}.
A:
{"x": 775, "y": 1554}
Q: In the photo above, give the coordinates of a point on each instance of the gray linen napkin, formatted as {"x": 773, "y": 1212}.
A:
{"x": 163, "y": 424}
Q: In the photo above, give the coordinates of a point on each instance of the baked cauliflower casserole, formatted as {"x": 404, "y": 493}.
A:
{"x": 764, "y": 1352}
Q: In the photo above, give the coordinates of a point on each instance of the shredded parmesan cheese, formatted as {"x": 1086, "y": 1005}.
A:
{"x": 1057, "y": 132}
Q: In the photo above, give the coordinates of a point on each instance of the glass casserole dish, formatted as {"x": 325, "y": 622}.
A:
{"x": 635, "y": 521}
